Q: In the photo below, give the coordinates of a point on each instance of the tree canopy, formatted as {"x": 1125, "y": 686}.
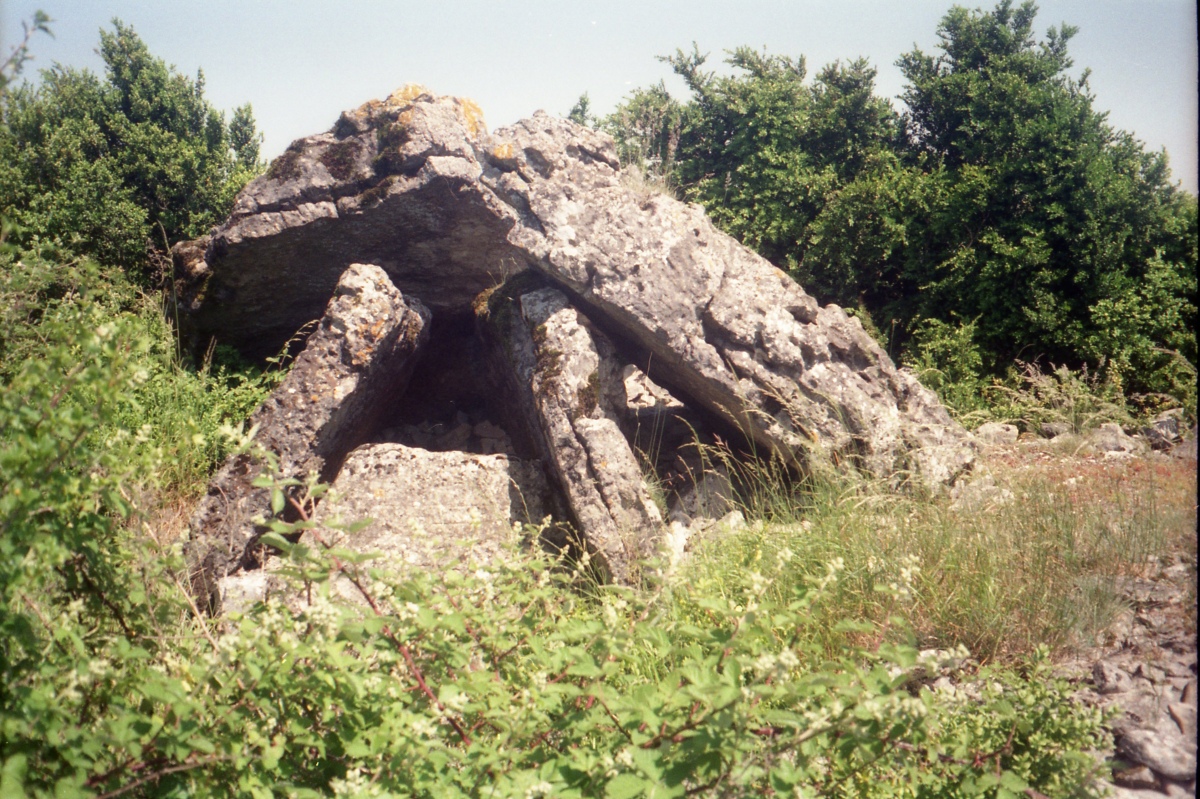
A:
{"x": 107, "y": 167}
{"x": 1000, "y": 201}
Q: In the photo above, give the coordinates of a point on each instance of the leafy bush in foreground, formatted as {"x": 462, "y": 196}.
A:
{"x": 514, "y": 679}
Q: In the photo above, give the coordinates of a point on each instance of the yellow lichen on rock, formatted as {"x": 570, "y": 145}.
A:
{"x": 503, "y": 152}
{"x": 406, "y": 94}
{"x": 473, "y": 115}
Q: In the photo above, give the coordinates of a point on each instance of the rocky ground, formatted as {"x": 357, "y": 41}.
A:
{"x": 1143, "y": 667}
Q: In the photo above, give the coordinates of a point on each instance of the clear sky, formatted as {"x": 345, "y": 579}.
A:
{"x": 301, "y": 62}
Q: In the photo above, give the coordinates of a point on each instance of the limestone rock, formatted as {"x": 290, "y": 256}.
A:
{"x": 430, "y": 509}
{"x": 1110, "y": 678}
{"x": 567, "y": 381}
{"x": 415, "y": 185}
{"x": 1111, "y": 438}
{"x": 1186, "y": 449}
{"x": 1163, "y": 432}
{"x": 726, "y": 330}
{"x": 1138, "y": 777}
{"x": 997, "y": 433}
{"x": 361, "y": 354}
{"x": 394, "y": 183}
{"x": 1163, "y": 750}
{"x": 1054, "y": 429}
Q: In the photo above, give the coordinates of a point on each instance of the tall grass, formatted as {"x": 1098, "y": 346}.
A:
{"x": 172, "y": 407}
{"x": 1040, "y": 567}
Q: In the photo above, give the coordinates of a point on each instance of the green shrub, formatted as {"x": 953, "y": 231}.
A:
{"x": 112, "y": 167}
{"x": 176, "y": 409}
{"x": 947, "y": 360}
{"x": 515, "y": 677}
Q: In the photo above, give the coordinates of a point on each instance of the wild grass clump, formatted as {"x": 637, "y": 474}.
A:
{"x": 182, "y": 413}
{"x": 1031, "y": 559}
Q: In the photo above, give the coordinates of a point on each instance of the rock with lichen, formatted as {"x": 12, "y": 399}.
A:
{"x": 362, "y": 352}
{"x": 418, "y": 187}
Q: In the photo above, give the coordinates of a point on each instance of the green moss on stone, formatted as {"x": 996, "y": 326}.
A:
{"x": 390, "y": 137}
{"x": 588, "y": 396}
{"x": 374, "y": 195}
{"x": 341, "y": 158}
{"x": 286, "y": 166}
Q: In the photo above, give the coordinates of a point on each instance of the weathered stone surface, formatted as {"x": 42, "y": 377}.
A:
{"x": 569, "y": 384}
{"x": 1110, "y": 678}
{"x": 361, "y": 354}
{"x": 395, "y": 183}
{"x": 1163, "y": 432}
{"x": 726, "y": 329}
{"x": 1111, "y": 438}
{"x": 430, "y": 509}
{"x": 1163, "y": 750}
{"x": 1054, "y": 429}
{"x": 997, "y": 433}
{"x": 1138, "y": 777}
{"x": 1186, "y": 449}
{"x": 415, "y": 185}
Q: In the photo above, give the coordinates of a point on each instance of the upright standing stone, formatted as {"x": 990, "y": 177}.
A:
{"x": 359, "y": 358}
{"x": 565, "y": 374}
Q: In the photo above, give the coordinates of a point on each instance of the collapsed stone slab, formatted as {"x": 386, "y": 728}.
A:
{"x": 395, "y": 183}
{"x": 361, "y": 354}
{"x": 433, "y": 508}
{"x": 567, "y": 380}
{"x": 417, "y": 185}
{"x": 447, "y": 212}
{"x": 727, "y": 330}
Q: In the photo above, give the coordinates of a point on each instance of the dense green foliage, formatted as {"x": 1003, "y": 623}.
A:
{"x": 110, "y": 168}
{"x": 746, "y": 674}
{"x": 1000, "y": 206}
{"x": 518, "y": 678}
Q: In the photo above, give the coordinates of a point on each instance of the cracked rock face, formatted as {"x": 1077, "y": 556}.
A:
{"x": 568, "y": 379}
{"x": 433, "y": 508}
{"x": 451, "y": 215}
{"x": 362, "y": 351}
{"x": 395, "y": 184}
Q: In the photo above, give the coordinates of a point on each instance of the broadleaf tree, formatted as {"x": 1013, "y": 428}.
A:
{"x": 1000, "y": 202}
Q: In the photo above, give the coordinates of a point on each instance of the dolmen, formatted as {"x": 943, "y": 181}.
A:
{"x": 499, "y": 328}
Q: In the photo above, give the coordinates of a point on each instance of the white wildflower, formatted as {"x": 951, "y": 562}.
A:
{"x": 539, "y": 790}
{"x": 758, "y": 584}
{"x": 765, "y": 662}
{"x": 456, "y": 702}
{"x": 424, "y": 728}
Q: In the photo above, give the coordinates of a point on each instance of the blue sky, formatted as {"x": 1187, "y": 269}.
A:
{"x": 301, "y": 62}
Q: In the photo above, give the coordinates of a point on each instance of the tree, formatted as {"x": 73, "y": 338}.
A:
{"x": 19, "y": 55}
{"x": 108, "y": 168}
{"x": 1001, "y": 203}
{"x": 764, "y": 150}
{"x": 646, "y": 127}
{"x": 581, "y": 112}
{"x": 1049, "y": 218}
